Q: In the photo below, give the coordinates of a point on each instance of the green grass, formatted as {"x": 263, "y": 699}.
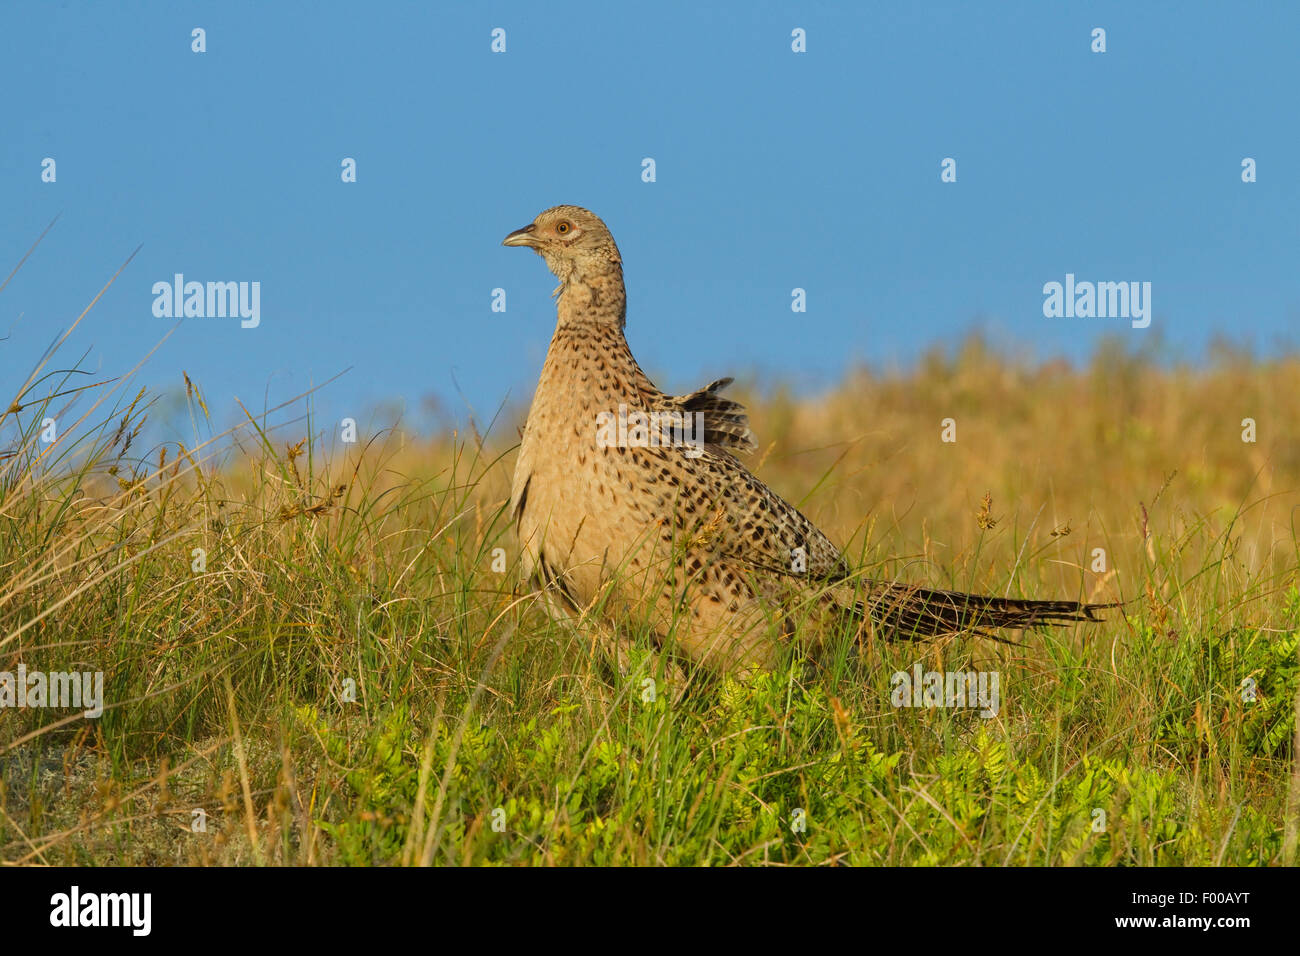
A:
{"x": 480, "y": 731}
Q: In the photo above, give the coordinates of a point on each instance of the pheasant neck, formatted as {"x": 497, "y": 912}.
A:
{"x": 589, "y": 366}
{"x": 593, "y": 297}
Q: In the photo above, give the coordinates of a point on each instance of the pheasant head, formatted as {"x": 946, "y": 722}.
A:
{"x": 579, "y": 249}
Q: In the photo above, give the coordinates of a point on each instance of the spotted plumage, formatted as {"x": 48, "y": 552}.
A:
{"x": 684, "y": 537}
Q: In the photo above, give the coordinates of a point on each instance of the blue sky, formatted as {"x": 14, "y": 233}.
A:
{"x": 774, "y": 170}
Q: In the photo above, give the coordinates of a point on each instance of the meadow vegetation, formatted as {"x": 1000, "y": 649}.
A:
{"x": 319, "y": 646}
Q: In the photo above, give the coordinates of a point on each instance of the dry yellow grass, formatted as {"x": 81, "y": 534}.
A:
{"x": 374, "y": 563}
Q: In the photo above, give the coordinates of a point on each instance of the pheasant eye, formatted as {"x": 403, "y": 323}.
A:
{"x": 563, "y": 228}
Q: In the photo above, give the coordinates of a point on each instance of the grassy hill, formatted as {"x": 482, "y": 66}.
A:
{"x": 313, "y": 652}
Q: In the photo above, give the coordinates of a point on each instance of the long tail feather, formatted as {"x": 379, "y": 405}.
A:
{"x": 910, "y": 612}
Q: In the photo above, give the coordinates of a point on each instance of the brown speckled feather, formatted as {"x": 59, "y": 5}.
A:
{"x": 686, "y": 536}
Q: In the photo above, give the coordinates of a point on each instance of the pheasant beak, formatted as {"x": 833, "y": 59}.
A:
{"x": 521, "y": 237}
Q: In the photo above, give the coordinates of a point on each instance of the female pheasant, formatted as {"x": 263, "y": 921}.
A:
{"x": 665, "y": 522}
